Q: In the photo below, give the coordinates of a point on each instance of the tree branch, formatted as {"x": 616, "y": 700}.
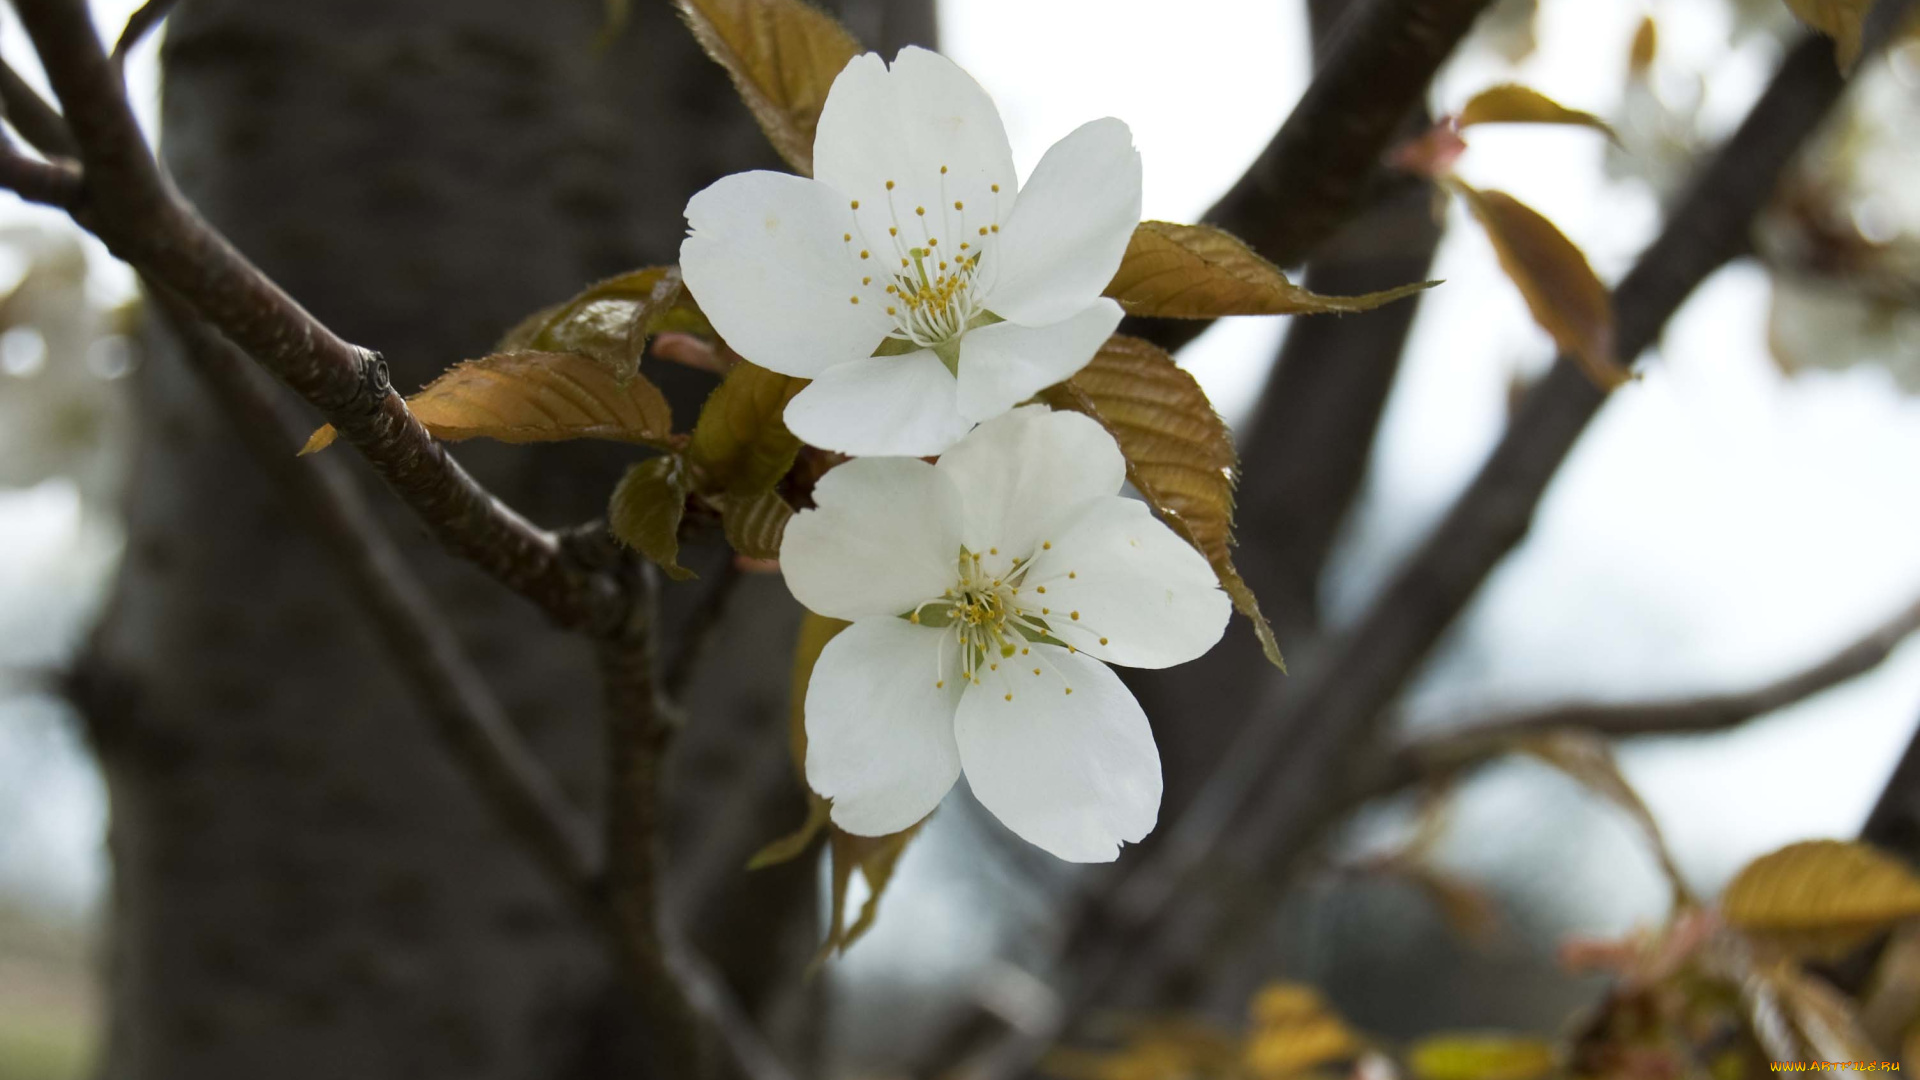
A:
{"x": 1453, "y": 751}
{"x": 129, "y": 205}
{"x": 1315, "y": 173}
{"x": 37, "y": 122}
{"x": 49, "y": 183}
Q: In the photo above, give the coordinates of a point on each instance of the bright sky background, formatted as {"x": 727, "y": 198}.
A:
{"x": 1719, "y": 525}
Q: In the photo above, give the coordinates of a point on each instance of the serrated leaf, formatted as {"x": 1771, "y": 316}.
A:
{"x": 1198, "y": 272}
{"x": 529, "y": 397}
{"x": 1294, "y": 1030}
{"x": 646, "y": 509}
{"x": 1565, "y": 296}
{"x": 755, "y": 523}
{"x": 1821, "y": 896}
{"x": 740, "y": 445}
{"x": 1481, "y": 1057}
{"x": 1511, "y": 103}
{"x": 783, "y": 56}
{"x": 611, "y": 320}
{"x": 1588, "y": 759}
{"x": 1179, "y": 453}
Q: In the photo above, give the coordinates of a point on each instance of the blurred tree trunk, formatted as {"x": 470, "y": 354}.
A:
{"x": 304, "y": 885}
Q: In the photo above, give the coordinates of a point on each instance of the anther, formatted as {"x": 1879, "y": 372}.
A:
{"x": 866, "y": 281}
{"x": 849, "y": 236}
{"x": 933, "y": 241}
{"x": 1073, "y": 574}
{"x": 996, "y": 189}
{"x": 996, "y": 228}
{"x": 865, "y": 254}
{"x": 921, "y": 210}
{"x": 1074, "y": 615}
{"x": 983, "y": 231}
{"x": 993, "y": 551}
{"x": 856, "y": 204}
{"x": 1046, "y": 611}
{"x": 891, "y": 309}
{"x": 914, "y": 618}
{"x": 1009, "y": 697}
{"x": 963, "y": 245}
{"x": 943, "y": 170}
{"x": 1069, "y": 689}
{"x": 1024, "y": 650}
{"x": 1103, "y": 641}
{"x": 853, "y": 299}
{"x": 889, "y": 185}
{"x": 957, "y": 206}
{"x": 891, "y": 231}
{"x": 940, "y": 684}
{"x": 1036, "y": 671}
{"x": 1046, "y": 545}
{"x": 1042, "y": 588}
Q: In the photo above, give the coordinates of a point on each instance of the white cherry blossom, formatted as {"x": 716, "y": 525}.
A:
{"x": 918, "y": 286}
{"x": 987, "y": 594}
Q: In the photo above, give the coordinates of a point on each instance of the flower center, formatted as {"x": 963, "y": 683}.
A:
{"x": 997, "y": 615}
{"x": 927, "y": 271}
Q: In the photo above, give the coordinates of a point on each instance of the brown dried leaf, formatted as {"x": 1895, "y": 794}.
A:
{"x": 1567, "y": 299}
{"x": 529, "y": 397}
{"x": 1179, "y": 453}
{"x": 1821, "y": 896}
{"x": 1198, "y": 272}
{"x": 1511, "y": 103}
{"x": 783, "y": 56}
{"x": 740, "y": 444}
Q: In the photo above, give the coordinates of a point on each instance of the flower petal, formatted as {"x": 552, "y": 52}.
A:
{"x": 766, "y": 261}
{"x": 1005, "y": 364}
{"x": 1123, "y": 587}
{"x": 882, "y": 405}
{"x": 882, "y": 538}
{"x": 1019, "y": 476}
{"x": 930, "y": 128}
{"x": 1075, "y": 773}
{"x": 1069, "y": 227}
{"x": 879, "y": 732}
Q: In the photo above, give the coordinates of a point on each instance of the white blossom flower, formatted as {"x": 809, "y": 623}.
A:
{"x": 985, "y": 593}
{"x": 910, "y": 280}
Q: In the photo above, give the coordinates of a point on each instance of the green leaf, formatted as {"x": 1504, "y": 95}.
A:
{"x": 1511, "y": 103}
{"x": 1179, "y": 453}
{"x": 529, "y": 397}
{"x": 783, "y": 56}
{"x": 610, "y": 321}
{"x": 755, "y": 523}
{"x": 740, "y": 445}
{"x": 1198, "y": 272}
{"x": 646, "y": 509}
{"x": 1566, "y": 297}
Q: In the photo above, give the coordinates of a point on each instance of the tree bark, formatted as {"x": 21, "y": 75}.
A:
{"x": 305, "y": 886}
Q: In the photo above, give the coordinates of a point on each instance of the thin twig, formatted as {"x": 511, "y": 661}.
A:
{"x": 139, "y": 25}
{"x": 1452, "y": 751}
{"x": 49, "y": 183}
{"x": 37, "y": 122}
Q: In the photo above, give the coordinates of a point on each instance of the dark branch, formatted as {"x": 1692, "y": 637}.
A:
{"x": 702, "y": 629}
{"x": 49, "y": 183}
{"x": 1315, "y": 174}
{"x": 139, "y": 24}
{"x": 37, "y": 122}
{"x": 1455, "y": 750}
